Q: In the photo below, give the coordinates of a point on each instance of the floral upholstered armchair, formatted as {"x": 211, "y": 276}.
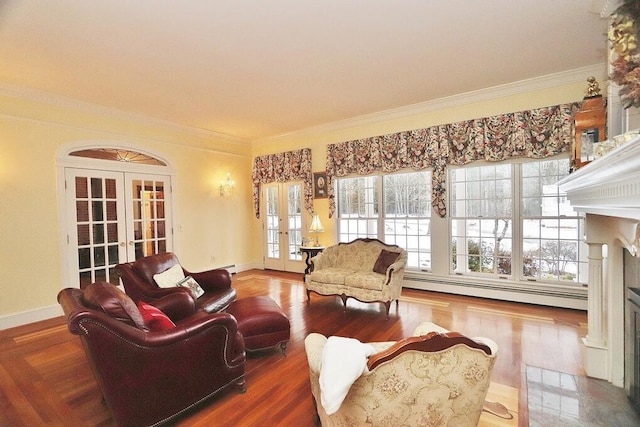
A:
{"x": 435, "y": 378}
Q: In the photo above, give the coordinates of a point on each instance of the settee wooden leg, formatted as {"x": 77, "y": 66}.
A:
{"x": 343, "y": 297}
{"x": 308, "y": 296}
{"x": 387, "y": 305}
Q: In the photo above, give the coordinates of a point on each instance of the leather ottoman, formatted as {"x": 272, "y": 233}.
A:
{"x": 261, "y": 322}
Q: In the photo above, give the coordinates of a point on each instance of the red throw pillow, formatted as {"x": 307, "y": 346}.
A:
{"x": 385, "y": 259}
{"x": 154, "y": 318}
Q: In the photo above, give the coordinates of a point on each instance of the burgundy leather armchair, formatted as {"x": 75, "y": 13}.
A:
{"x": 148, "y": 378}
{"x": 137, "y": 279}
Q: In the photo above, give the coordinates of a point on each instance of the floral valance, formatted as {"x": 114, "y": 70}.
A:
{"x": 281, "y": 167}
{"x": 534, "y": 133}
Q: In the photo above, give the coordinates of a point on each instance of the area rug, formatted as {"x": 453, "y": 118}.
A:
{"x": 559, "y": 399}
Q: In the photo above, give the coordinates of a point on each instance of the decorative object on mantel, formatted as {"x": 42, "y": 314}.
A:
{"x": 604, "y": 147}
{"x": 625, "y": 53}
{"x": 593, "y": 89}
{"x": 590, "y": 125}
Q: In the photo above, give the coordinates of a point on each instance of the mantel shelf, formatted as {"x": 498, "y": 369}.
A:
{"x": 609, "y": 185}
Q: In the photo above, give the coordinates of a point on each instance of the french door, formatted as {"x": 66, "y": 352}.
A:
{"x": 114, "y": 217}
{"x": 283, "y": 225}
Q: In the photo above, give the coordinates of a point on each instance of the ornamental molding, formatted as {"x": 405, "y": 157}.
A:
{"x": 47, "y": 98}
{"x": 482, "y": 95}
{"x": 610, "y": 185}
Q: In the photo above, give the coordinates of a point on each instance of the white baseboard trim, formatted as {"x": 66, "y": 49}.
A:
{"x": 249, "y": 266}
{"x": 31, "y": 316}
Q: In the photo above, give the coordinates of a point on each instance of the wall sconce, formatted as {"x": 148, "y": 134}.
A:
{"x": 226, "y": 187}
{"x": 316, "y": 227}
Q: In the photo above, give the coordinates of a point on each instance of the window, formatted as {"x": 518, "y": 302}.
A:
{"x": 118, "y": 155}
{"x": 538, "y": 238}
{"x": 407, "y": 216}
{"x": 481, "y": 219}
{"x": 404, "y": 200}
{"x": 551, "y": 229}
{"x": 357, "y": 208}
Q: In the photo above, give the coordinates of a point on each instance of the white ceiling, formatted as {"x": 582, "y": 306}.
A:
{"x": 262, "y": 68}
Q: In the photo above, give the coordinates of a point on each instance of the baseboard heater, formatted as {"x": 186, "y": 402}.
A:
{"x": 231, "y": 268}
{"x": 578, "y": 294}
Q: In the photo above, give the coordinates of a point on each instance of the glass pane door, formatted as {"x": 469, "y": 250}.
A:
{"x": 95, "y": 231}
{"x": 147, "y": 202}
{"x": 283, "y": 226}
{"x": 294, "y": 221}
{"x": 272, "y": 227}
{"x": 113, "y": 217}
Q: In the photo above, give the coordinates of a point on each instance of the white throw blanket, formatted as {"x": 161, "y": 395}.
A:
{"x": 343, "y": 361}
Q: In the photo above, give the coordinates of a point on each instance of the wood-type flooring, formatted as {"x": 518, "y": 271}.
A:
{"x": 45, "y": 379}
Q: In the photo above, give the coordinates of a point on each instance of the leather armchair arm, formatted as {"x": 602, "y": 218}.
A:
{"x": 189, "y": 328}
{"x": 153, "y": 295}
{"x": 186, "y": 332}
{"x": 212, "y": 280}
{"x": 176, "y": 305}
{"x": 81, "y": 320}
{"x": 139, "y": 289}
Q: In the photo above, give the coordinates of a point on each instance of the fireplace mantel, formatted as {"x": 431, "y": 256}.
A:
{"x": 608, "y": 191}
{"x": 610, "y": 185}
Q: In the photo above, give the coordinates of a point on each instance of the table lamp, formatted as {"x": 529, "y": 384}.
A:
{"x": 316, "y": 227}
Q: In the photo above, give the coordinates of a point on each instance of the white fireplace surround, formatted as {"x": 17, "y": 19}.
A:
{"x": 608, "y": 191}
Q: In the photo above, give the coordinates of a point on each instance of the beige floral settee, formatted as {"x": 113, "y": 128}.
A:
{"x": 432, "y": 379}
{"x": 365, "y": 269}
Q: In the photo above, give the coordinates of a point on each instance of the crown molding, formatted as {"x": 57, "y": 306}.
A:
{"x": 48, "y": 98}
{"x": 538, "y": 83}
{"x": 577, "y": 75}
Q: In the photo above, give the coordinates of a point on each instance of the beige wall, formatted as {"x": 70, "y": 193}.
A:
{"x": 34, "y": 129}
{"x": 33, "y": 133}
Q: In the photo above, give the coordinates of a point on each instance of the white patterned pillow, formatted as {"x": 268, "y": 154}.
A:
{"x": 169, "y": 278}
{"x": 190, "y": 282}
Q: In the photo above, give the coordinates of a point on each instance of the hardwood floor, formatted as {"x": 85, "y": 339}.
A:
{"x": 45, "y": 378}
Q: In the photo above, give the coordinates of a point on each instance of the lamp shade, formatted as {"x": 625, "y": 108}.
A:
{"x": 316, "y": 225}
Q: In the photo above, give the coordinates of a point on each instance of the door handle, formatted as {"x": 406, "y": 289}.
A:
{"x": 122, "y": 243}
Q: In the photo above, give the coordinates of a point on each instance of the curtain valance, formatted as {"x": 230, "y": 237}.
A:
{"x": 281, "y": 167}
{"x": 536, "y": 133}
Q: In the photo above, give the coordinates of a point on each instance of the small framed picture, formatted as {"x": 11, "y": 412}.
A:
{"x": 320, "y": 185}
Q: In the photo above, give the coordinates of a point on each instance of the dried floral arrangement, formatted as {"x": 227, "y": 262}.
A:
{"x": 623, "y": 35}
